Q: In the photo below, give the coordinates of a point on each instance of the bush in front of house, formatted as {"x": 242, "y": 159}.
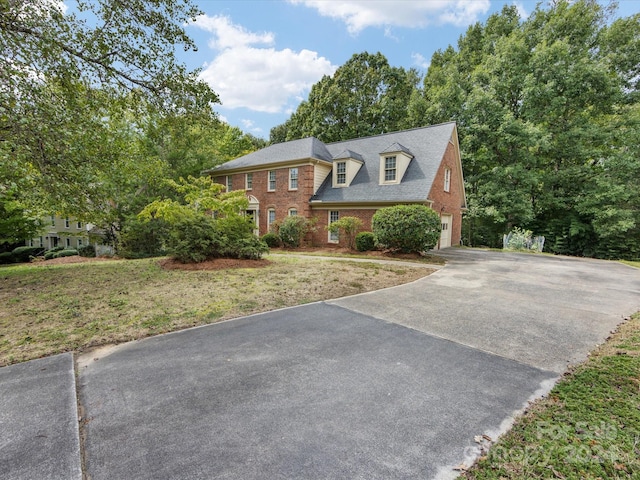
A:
{"x": 197, "y": 238}
{"x": 87, "y": 251}
{"x": 347, "y": 227}
{"x": 406, "y": 228}
{"x": 25, "y": 254}
{"x": 238, "y": 239}
{"x": 272, "y": 240}
{"x": 365, "y": 241}
{"x": 49, "y": 254}
{"x": 142, "y": 239}
{"x": 67, "y": 252}
{"x": 6, "y": 258}
{"x": 293, "y": 229}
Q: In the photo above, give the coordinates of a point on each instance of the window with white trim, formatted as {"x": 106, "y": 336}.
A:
{"x": 334, "y": 216}
{"x": 53, "y": 221}
{"x": 79, "y": 242}
{"x": 293, "y": 212}
{"x": 390, "y": 169}
{"x": 68, "y": 241}
{"x": 248, "y": 181}
{"x": 272, "y": 181}
{"x": 78, "y": 224}
{"x": 66, "y": 224}
{"x": 447, "y": 179}
{"x": 271, "y": 218}
{"x": 341, "y": 173}
{"x": 229, "y": 183}
{"x": 293, "y": 178}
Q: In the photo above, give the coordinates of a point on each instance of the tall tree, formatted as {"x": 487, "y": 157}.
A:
{"x": 60, "y": 72}
{"x": 547, "y": 113}
{"x": 365, "y": 96}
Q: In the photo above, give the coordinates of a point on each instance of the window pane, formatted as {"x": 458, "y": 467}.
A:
{"x": 272, "y": 180}
{"x": 334, "y": 216}
{"x": 293, "y": 178}
{"x": 389, "y": 169}
{"x": 249, "y": 181}
{"x": 341, "y": 171}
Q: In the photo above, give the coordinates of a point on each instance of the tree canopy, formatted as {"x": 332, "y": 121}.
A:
{"x": 365, "y": 96}
{"x": 74, "y": 85}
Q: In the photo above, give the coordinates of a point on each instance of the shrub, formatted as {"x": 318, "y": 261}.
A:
{"x": 70, "y": 252}
{"x": 197, "y": 238}
{"x": 365, "y": 241}
{"x": 143, "y": 239}
{"x": 347, "y": 227}
{"x": 194, "y": 239}
{"x": 24, "y": 254}
{"x": 87, "y": 251}
{"x": 6, "y": 257}
{"x": 293, "y": 229}
{"x": 406, "y": 228}
{"x": 238, "y": 239}
{"x": 272, "y": 239}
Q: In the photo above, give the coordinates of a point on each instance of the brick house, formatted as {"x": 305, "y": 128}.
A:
{"x": 352, "y": 178}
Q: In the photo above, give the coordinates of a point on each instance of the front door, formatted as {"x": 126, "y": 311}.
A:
{"x": 253, "y": 214}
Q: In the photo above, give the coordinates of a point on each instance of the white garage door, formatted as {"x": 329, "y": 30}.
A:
{"x": 445, "y": 236}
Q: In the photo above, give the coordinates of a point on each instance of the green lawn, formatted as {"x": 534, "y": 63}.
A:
{"x": 588, "y": 427}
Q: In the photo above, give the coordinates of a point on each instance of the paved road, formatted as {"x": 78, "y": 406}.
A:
{"x": 393, "y": 384}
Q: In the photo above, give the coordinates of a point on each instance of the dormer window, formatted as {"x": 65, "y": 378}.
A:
{"x": 390, "y": 169}
{"x": 341, "y": 173}
{"x": 394, "y": 162}
{"x": 345, "y": 168}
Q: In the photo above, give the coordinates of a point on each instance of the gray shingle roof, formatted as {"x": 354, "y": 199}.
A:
{"x": 427, "y": 145}
{"x": 396, "y": 147}
{"x": 303, "y": 149}
{"x": 348, "y": 154}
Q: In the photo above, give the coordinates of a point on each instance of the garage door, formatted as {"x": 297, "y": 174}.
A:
{"x": 445, "y": 236}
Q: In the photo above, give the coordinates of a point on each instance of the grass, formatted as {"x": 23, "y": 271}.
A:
{"x": 428, "y": 258}
{"x": 588, "y": 427}
{"x": 48, "y": 309}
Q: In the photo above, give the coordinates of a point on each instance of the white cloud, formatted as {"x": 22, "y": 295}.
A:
{"x": 360, "y": 14}
{"x": 521, "y": 10}
{"x": 420, "y": 61}
{"x": 261, "y": 79}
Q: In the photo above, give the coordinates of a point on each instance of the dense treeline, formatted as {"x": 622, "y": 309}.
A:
{"x": 548, "y": 115}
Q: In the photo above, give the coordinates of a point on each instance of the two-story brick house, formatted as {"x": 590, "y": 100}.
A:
{"x": 352, "y": 178}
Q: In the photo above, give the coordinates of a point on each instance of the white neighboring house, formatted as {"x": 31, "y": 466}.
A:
{"x": 64, "y": 232}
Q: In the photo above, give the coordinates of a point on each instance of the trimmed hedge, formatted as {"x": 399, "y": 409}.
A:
{"x": 365, "y": 241}
{"x": 24, "y": 254}
{"x": 407, "y": 228}
{"x": 6, "y": 258}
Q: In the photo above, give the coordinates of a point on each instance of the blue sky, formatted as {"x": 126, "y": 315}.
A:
{"x": 263, "y": 56}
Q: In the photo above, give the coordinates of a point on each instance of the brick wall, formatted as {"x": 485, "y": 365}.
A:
{"x": 449, "y": 202}
{"x": 281, "y": 199}
{"x": 321, "y": 236}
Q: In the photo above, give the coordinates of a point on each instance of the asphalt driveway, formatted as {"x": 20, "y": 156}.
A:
{"x": 392, "y": 384}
